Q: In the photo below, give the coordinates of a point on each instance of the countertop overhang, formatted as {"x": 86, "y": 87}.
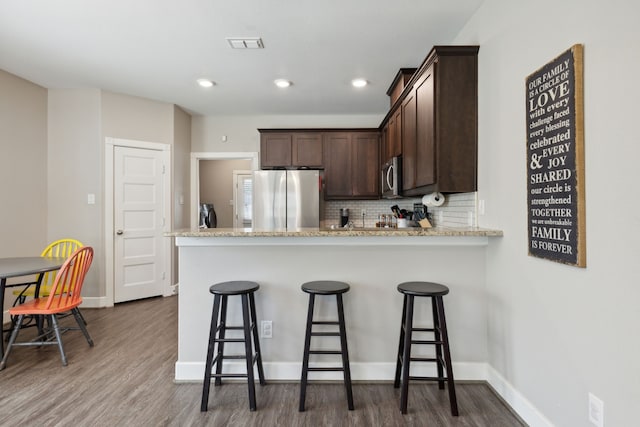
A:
{"x": 445, "y": 236}
{"x": 338, "y": 232}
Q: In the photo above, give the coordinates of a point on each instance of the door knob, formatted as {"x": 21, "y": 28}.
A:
{"x": 119, "y": 232}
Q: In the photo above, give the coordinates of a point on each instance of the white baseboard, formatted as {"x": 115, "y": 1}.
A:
{"x": 516, "y": 400}
{"x": 95, "y": 302}
{"x": 290, "y": 371}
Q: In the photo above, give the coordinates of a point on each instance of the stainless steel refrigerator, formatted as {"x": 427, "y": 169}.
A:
{"x": 287, "y": 199}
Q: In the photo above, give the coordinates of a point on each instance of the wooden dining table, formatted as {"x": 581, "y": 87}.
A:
{"x": 24, "y": 266}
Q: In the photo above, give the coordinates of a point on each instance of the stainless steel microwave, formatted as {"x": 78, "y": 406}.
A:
{"x": 392, "y": 179}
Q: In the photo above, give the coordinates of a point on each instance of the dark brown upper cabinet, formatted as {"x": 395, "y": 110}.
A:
{"x": 392, "y": 127}
{"x": 393, "y": 144}
{"x": 290, "y": 149}
{"x": 352, "y": 165}
{"x": 439, "y": 123}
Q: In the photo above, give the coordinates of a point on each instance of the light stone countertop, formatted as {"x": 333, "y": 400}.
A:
{"x": 339, "y": 232}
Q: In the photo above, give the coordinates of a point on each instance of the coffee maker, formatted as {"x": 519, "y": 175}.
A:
{"x": 208, "y": 218}
{"x": 344, "y": 216}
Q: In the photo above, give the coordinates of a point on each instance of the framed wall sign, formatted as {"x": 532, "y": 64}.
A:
{"x": 555, "y": 160}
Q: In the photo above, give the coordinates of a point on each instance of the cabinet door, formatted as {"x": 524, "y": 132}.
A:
{"x": 384, "y": 144}
{"x": 366, "y": 170}
{"x": 409, "y": 142}
{"x": 275, "y": 149}
{"x": 425, "y": 130}
{"x": 306, "y": 150}
{"x": 392, "y": 137}
{"x": 337, "y": 165}
{"x": 395, "y": 127}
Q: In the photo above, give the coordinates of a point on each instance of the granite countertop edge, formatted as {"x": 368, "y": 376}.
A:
{"x": 327, "y": 232}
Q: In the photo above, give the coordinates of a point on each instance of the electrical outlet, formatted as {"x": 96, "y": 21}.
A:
{"x": 266, "y": 329}
{"x": 596, "y": 411}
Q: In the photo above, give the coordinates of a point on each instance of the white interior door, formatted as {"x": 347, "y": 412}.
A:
{"x": 243, "y": 199}
{"x": 138, "y": 223}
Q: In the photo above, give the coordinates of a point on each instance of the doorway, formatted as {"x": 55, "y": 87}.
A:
{"x": 137, "y": 214}
{"x": 218, "y": 190}
{"x": 196, "y": 160}
{"x": 243, "y": 199}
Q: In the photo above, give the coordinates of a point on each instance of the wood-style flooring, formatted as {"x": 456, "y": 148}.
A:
{"x": 127, "y": 379}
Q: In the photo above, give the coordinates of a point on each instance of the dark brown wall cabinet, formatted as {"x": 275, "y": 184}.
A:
{"x": 352, "y": 165}
{"x": 350, "y": 158}
{"x": 439, "y": 115}
{"x": 392, "y": 131}
{"x": 290, "y": 149}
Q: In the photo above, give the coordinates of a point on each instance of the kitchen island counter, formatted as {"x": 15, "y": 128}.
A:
{"x": 373, "y": 262}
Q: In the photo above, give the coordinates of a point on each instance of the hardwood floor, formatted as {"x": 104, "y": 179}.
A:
{"x": 127, "y": 379}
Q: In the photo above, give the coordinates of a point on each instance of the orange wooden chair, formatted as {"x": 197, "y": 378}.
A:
{"x": 64, "y": 297}
{"x": 62, "y": 248}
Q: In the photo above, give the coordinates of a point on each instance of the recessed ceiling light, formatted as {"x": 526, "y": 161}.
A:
{"x": 282, "y": 83}
{"x": 359, "y": 82}
{"x": 205, "y": 82}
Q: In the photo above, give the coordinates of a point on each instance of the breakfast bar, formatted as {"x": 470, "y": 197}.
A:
{"x": 372, "y": 261}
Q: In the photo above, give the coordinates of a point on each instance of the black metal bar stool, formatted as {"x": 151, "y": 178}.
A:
{"x": 326, "y": 287}
{"x": 217, "y": 335}
{"x": 440, "y": 340}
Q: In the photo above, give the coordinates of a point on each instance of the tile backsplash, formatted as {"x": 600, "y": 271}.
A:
{"x": 458, "y": 210}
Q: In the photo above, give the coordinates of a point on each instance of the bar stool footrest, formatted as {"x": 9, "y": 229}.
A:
{"x": 326, "y": 369}
{"x": 228, "y": 376}
{"x": 427, "y": 342}
{"x": 229, "y": 340}
{"x": 428, "y": 378}
{"x": 234, "y": 356}
{"x": 427, "y": 359}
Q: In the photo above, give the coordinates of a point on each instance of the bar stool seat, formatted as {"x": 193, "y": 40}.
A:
{"x": 217, "y": 338}
{"x": 324, "y": 288}
{"x": 435, "y": 291}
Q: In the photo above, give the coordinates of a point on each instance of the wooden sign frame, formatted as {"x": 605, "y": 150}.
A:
{"x": 555, "y": 160}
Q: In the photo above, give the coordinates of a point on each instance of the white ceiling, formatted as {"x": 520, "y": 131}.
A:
{"x": 157, "y": 49}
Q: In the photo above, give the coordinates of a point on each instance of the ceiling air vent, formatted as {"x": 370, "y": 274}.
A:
{"x": 245, "y": 42}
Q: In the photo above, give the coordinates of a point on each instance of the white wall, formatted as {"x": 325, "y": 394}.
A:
{"x": 23, "y": 160}
{"x": 130, "y": 117}
{"x": 373, "y": 306}
{"x": 181, "y": 178}
{"x": 181, "y": 159}
{"x": 557, "y": 332}
{"x": 242, "y": 131}
{"x": 74, "y": 171}
{"x": 23, "y": 169}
